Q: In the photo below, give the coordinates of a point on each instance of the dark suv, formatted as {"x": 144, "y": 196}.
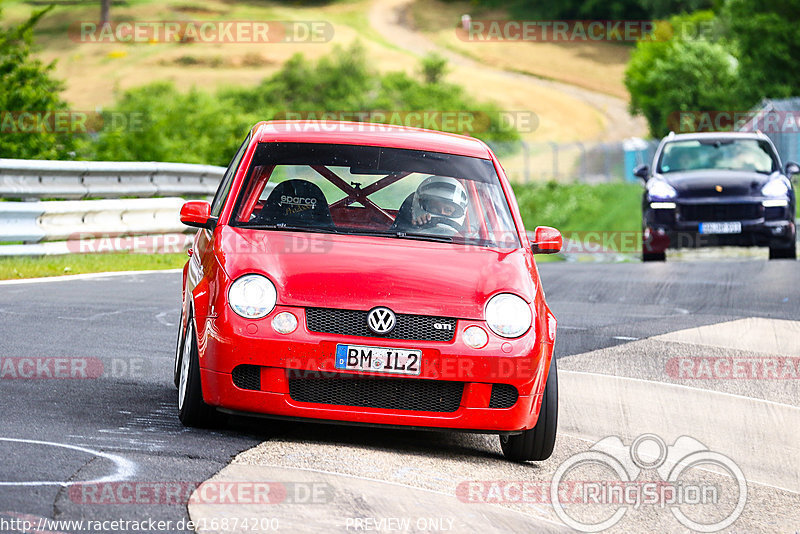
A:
{"x": 717, "y": 189}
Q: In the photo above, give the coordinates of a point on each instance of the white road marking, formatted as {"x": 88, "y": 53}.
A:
{"x": 160, "y": 318}
{"x": 86, "y": 276}
{"x": 125, "y": 468}
{"x": 625, "y": 338}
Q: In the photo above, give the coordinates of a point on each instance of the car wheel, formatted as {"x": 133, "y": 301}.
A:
{"x": 178, "y": 349}
{"x": 654, "y": 256}
{"x": 779, "y": 253}
{"x": 192, "y": 409}
{"x": 537, "y": 443}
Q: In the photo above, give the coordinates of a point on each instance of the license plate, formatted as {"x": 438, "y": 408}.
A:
{"x": 378, "y": 359}
{"x": 721, "y": 228}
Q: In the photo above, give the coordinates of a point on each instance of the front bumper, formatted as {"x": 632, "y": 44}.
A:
{"x": 672, "y": 228}
{"x": 229, "y": 342}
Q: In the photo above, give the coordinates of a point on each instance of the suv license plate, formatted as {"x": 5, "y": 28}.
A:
{"x": 721, "y": 228}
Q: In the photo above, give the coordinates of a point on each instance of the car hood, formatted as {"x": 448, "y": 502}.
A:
{"x": 361, "y": 272}
{"x": 704, "y": 183}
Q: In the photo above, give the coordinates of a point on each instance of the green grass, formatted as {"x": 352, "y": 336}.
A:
{"x": 581, "y": 207}
{"x": 13, "y": 268}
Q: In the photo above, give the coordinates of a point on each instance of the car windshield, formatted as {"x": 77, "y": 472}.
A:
{"x": 724, "y": 154}
{"x": 364, "y": 190}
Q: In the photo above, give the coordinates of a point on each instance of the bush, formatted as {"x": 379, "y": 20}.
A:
{"x": 205, "y": 127}
{"x": 672, "y": 75}
{"x": 580, "y": 207}
{"x": 28, "y": 86}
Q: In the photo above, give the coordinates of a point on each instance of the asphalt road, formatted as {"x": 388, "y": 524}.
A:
{"x": 126, "y": 326}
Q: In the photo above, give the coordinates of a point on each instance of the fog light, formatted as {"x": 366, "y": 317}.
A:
{"x": 476, "y": 337}
{"x": 284, "y": 323}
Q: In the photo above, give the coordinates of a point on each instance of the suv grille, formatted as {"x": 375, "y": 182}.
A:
{"x": 503, "y": 396}
{"x": 247, "y": 377}
{"x": 720, "y": 212}
{"x": 354, "y": 323}
{"x": 385, "y": 393}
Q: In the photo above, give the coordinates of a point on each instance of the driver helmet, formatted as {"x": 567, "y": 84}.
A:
{"x": 440, "y": 197}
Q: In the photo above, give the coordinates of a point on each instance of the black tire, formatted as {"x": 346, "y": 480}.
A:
{"x": 787, "y": 253}
{"x": 192, "y": 409}
{"x": 537, "y": 443}
{"x": 654, "y": 256}
{"x": 178, "y": 349}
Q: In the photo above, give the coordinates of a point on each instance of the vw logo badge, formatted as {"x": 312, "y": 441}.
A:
{"x": 381, "y": 320}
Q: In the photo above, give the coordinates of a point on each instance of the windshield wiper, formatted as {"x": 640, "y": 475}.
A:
{"x": 403, "y": 235}
{"x": 326, "y": 230}
{"x": 314, "y": 229}
{"x": 424, "y": 237}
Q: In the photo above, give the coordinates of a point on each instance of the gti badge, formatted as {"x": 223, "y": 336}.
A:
{"x": 718, "y": 188}
{"x": 381, "y": 320}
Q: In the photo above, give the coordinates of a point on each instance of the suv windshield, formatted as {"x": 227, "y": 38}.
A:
{"x": 724, "y": 154}
{"x": 363, "y": 190}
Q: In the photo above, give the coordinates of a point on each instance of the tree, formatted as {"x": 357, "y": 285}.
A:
{"x": 27, "y": 89}
{"x": 767, "y": 44}
{"x": 105, "y": 12}
{"x": 665, "y": 78}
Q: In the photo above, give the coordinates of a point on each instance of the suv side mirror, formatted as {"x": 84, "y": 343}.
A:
{"x": 792, "y": 168}
{"x": 546, "y": 240}
{"x": 197, "y": 213}
{"x": 641, "y": 171}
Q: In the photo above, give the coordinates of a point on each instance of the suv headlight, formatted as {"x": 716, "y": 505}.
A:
{"x": 508, "y": 315}
{"x": 252, "y": 296}
{"x": 659, "y": 189}
{"x": 775, "y": 188}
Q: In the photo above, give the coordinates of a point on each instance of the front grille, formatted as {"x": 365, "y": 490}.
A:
{"x": 354, "y": 323}
{"x": 384, "y": 393}
{"x": 720, "y": 212}
{"x": 247, "y": 377}
{"x": 503, "y": 396}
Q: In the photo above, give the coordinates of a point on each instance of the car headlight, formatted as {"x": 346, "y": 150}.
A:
{"x": 508, "y": 315}
{"x": 660, "y": 189}
{"x": 775, "y": 188}
{"x": 252, "y": 296}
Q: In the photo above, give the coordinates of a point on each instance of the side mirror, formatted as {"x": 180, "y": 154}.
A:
{"x": 546, "y": 240}
{"x": 641, "y": 171}
{"x": 197, "y": 213}
{"x": 792, "y": 168}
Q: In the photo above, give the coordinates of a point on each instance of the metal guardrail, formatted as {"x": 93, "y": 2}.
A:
{"x": 23, "y": 179}
{"x": 62, "y": 227}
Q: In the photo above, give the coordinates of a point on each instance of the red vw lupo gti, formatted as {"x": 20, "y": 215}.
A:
{"x": 368, "y": 274}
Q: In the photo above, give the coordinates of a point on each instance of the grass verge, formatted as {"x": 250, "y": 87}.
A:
{"x": 568, "y": 207}
{"x": 614, "y": 207}
{"x": 25, "y": 267}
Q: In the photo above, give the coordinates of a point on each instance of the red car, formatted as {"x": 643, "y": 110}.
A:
{"x": 368, "y": 274}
